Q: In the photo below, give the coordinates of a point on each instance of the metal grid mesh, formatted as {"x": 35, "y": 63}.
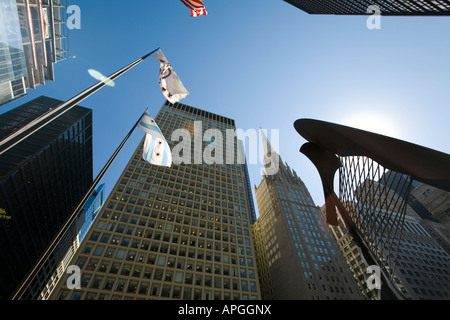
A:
{"x": 366, "y": 189}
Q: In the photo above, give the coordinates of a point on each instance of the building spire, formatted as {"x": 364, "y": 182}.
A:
{"x": 272, "y": 159}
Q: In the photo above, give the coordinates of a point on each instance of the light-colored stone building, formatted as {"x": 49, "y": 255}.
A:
{"x": 298, "y": 258}
{"x": 171, "y": 233}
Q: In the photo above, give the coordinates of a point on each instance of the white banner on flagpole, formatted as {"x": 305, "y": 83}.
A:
{"x": 171, "y": 85}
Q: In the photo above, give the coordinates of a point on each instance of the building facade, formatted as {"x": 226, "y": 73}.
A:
{"x": 42, "y": 180}
{"x": 33, "y": 38}
{"x": 423, "y": 266}
{"x": 419, "y": 265}
{"x": 353, "y": 257}
{"x": 298, "y": 258}
{"x": 13, "y": 67}
{"x": 430, "y": 204}
{"x": 435, "y": 200}
{"x": 172, "y": 233}
{"x": 360, "y": 7}
{"x": 89, "y": 213}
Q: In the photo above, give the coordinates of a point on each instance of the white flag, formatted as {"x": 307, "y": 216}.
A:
{"x": 156, "y": 148}
{"x": 171, "y": 86}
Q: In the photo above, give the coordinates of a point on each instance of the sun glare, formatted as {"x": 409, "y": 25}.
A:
{"x": 375, "y": 123}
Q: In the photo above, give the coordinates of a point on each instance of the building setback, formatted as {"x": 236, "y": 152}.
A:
{"x": 42, "y": 180}
{"x": 435, "y": 200}
{"x": 172, "y": 233}
{"x": 360, "y": 7}
{"x": 298, "y": 258}
{"x": 33, "y": 37}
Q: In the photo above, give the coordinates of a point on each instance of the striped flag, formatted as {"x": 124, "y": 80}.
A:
{"x": 171, "y": 86}
{"x": 197, "y": 7}
{"x": 156, "y": 148}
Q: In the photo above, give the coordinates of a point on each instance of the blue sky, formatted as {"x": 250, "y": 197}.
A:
{"x": 265, "y": 64}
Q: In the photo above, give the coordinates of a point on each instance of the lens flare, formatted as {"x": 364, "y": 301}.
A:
{"x": 100, "y": 77}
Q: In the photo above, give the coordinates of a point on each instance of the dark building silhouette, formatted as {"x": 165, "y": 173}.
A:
{"x": 387, "y": 7}
{"x": 42, "y": 180}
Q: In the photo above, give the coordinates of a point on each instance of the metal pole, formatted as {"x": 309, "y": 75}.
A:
{"x": 27, "y": 281}
{"x": 23, "y": 133}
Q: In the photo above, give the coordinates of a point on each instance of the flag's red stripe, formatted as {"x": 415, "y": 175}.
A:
{"x": 194, "y": 4}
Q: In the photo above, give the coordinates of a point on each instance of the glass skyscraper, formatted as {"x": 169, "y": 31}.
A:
{"x": 172, "y": 233}
{"x": 387, "y": 7}
{"x": 13, "y": 67}
{"x": 33, "y": 36}
{"x": 42, "y": 180}
{"x": 84, "y": 222}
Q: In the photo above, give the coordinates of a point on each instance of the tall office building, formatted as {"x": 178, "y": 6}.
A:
{"x": 419, "y": 265}
{"x": 353, "y": 256}
{"x": 298, "y": 258}
{"x": 90, "y": 210}
{"x": 435, "y": 200}
{"x": 422, "y": 268}
{"x": 387, "y": 7}
{"x": 13, "y": 67}
{"x": 173, "y": 233}
{"x": 430, "y": 204}
{"x": 42, "y": 180}
{"x": 33, "y": 36}
{"x": 248, "y": 186}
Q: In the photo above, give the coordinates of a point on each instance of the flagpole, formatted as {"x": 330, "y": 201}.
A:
{"x": 51, "y": 248}
{"x": 23, "y": 133}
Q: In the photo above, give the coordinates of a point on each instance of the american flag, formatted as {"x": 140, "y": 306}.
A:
{"x": 197, "y": 7}
{"x": 156, "y": 149}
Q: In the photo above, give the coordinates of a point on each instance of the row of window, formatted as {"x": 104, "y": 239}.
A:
{"x": 186, "y": 171}
{"x": 170, "y": 204}
{"x": 196, "y": 230}
{"x": 155, "y": 291}
{"x": 170, "y": 263}
{"x": 219, "y": 253}
{"x": 220, "y": 208}
{"x": 177, "y": 173}
{"x": 157, "y": 246}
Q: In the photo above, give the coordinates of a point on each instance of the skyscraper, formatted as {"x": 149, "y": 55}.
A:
{"x": 33, "y": 36}
{"x": 89, "y": 213}
{"x": 173, "y": 233}
{"x": 360, "y": 7}
{"x": 352, "y": 256}
{"x": 431, "y": 204}
{"x": 436, "y": 202}
{"x": 42, "y": 180}
{"x": 422, "y": 269}
{"x": 298, "y": 258}
{"x": 419, "y": 265}
{"x": 12, "y": 57}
